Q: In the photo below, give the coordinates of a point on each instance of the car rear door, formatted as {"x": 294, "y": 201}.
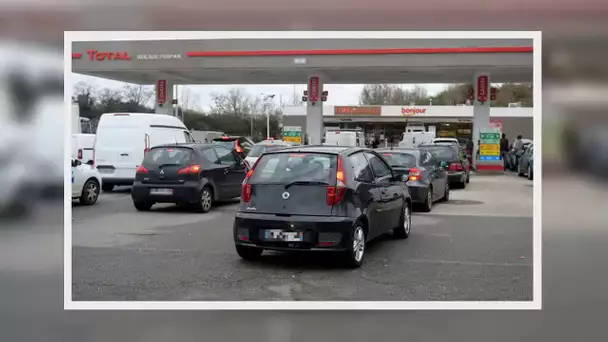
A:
{"x": 368, "y": 193}
{"x": 119, "y": 150}
{"x": 436, "y": 176}
{"x": 391, "y": 198}
{"x": 286, "y": 183}
{"x": 234, "y": 170}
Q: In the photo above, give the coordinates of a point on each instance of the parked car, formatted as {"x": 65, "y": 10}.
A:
{"x": 458, "y": 166}
{"x": 193, "y": 174}
{"x": 123, "y": 139}
{"x": 241, "y": 145}
{"x": 513, "y": 157}
{"x": 427, "y": 179}
{"x": 320, "y": 198}
{"x": 263, "y": 147}
{"x": 526, "y": 163}
{"x": 86, "y": 182}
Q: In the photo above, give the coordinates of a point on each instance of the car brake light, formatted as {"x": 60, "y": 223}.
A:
{"x": 456, "y": 167}
{"x": 190, "y": 170}
{"x": 336, "y": 193}
{"x": 246, "y": 189}
{"x": 79, "y": 153}
{"x": 387, "y": 154}
{"x": 142, "y": 169}
{"x": 146, "y": 144}
{"x": 414, "y": 175}
{"x": 238, "y": 148}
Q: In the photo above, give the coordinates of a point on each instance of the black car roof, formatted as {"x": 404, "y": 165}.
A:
{"x": 188, "y": 145}
{"x": 321, "y": 149}
{"x": 399, "y": 150}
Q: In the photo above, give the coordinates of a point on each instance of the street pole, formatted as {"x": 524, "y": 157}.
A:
{"x": 267, "y": 123}
{"x": 251, "y": 117}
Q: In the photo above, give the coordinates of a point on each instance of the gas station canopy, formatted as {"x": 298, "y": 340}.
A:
{"x": 292, "y": 61}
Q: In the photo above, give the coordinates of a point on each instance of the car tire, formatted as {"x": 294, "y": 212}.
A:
{"x": 205, "y": 201}
{"x": 249, "y": 253}
{"x": 405, "y": 223}
{"x": 356, "y": 253}
{"x": 446, "y": 194}
{"x": 427, "y": 206}
{"x": 107, "y": 187}
{"x": 530, "y": 176}
{"x": 143, "y": 206}
{"x": 90, "y": 192}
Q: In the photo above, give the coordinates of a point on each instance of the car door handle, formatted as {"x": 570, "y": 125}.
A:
{"x": 124, "y": 154}
{"x": 226, "y": 171}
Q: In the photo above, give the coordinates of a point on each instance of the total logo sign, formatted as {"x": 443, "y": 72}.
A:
{"x": 412, "y": 111}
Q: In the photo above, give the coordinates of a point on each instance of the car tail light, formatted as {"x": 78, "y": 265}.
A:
{"x": 414, "y": 175}
{"x": 142, "y": 169}
{"x": 455, "y": 167}
{"x": 246, "y": 189}
{"x": 79, "y": 153}
{"x": 190, "y": 170}
{"x": 336, "y": 193}
{"x": 238, "y": 148}
{"x": 146, "y": 144}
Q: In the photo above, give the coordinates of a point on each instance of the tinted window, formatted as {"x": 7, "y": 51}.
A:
{"x": 378, "y": 166}
{"x": 258, "y": 150}
{"x": 285, "y": 168}
{"x": 227, "y": 142}
{"x": 210, "y": 155}
{"x": 225, "y": 156}
{"x": 400, "y": 159}
{"x": 361, "y": 168}
{"x": 169, "y": 156}
{"x": 447, "y": 153}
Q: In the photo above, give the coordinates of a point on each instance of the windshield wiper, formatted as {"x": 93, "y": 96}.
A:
{"x": 304, "y": 183}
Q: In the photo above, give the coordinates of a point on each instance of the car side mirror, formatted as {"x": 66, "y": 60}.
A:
{"x": 76, "y": 162}
{"x": 90, "y": 162}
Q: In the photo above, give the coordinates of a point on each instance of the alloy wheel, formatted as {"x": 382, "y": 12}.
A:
{"x": 206, "y": 200}
{"x": 358, "y": 244}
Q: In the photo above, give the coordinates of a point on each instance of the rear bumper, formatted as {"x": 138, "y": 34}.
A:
{"x": 182, "y": 193}
{"x": 418, "y": 191}
{"x": 456, "y": 177}
{"x": 320, "y": 233}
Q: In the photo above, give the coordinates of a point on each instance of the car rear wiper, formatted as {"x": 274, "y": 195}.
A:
{"x": 304, "y": 183}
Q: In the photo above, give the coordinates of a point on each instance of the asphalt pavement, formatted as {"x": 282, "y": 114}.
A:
{"x": 477, "y": 246}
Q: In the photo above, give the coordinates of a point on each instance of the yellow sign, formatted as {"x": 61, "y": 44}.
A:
{"x": 297, "y": 140}
{"x": 489, "y": 149}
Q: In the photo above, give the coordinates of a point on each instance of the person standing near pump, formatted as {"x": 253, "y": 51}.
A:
{"x": 518, "y": 147}
{"x": 504, "y": 150}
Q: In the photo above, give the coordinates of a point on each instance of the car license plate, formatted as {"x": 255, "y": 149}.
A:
{"x": 105, "y": 170}
{"x": 279, "y": 235}
{"x": 161, "y": 191}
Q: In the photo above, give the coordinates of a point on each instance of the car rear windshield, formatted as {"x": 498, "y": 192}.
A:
{"x": 169, "y": 156}
{"x": 284, "y": 168}
{"x": 443, "y": 153}
{"x": 400, "y": 159}
{"x": 258, "y": 150}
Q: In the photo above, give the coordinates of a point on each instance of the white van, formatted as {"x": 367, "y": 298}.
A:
{"x": 413, "y": 139}
{"x": 123, "y": 139}
{"x": 82, "y": 147}
{"x": 343, "y": 138}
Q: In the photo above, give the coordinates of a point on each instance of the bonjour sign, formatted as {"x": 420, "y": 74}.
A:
{"x": 354, "y": 110}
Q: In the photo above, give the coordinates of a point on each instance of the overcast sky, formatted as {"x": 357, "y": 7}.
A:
{"x": 339, "y": 94}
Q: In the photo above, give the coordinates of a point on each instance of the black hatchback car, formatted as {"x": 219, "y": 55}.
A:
{"x": 320, "y": 198}
{"x": 458, "y": 167}
{"x": 427, "y": 179}
{"x": 193, "y": 174}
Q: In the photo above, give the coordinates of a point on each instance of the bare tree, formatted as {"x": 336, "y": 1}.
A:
{"x": 236, "y": 102}
{"x": 139, "y": 95}
{"x": 187, "y": 100}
